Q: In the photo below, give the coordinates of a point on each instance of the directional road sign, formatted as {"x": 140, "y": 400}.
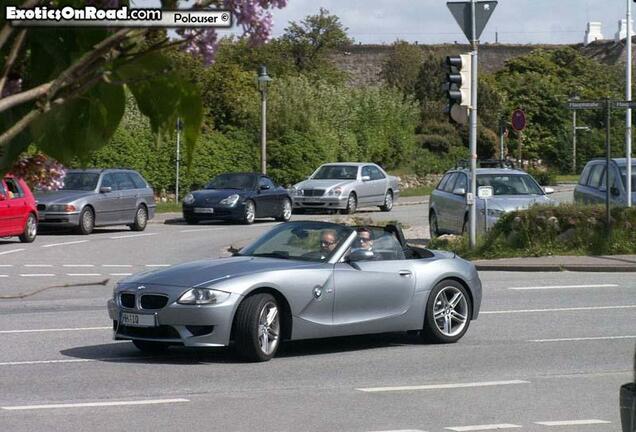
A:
{"x": 462, "y": 13}
{"x": 582, "y": 105}
{"x": 624, "y": 104}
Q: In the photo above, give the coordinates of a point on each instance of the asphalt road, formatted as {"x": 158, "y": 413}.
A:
{"x": 549, "y": 352}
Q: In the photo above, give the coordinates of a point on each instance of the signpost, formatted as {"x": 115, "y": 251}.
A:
{"x": 519, "y": 124}
{"x": 472, "y": 17}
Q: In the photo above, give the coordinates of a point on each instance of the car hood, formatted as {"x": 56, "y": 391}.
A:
{"x": 202, "y": 272}
{"x": 213, "y": 196}
{"x": 61, "y": 196}
{"x": 322, "y": 184}
{"x": 510, "y": 203}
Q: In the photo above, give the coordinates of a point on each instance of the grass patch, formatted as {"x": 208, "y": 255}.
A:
{"x": 418, "y": 191}
{"x": 567, "y": 178}
{"x": 168, "y": 207}
{"x": 547, "y": 230}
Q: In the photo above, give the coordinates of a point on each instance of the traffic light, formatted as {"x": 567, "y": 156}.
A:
{"x": 458, "y": 87}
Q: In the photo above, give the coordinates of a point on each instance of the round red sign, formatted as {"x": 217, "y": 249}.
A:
{"x": 518, "y": 120}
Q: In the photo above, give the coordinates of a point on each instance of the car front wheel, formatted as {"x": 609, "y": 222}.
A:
{"x": 30, "y": 230}
{"x": 257, "y": 328}
{"x": 448, "y": 312}
{"x": 286, "y": 211}
{"x": 352, "y": 204}
{"x": 249, "y": 214}
{"x": 388, "y": 202}
{"x": 86, "y": 221}
{"x": 433, "y": 225}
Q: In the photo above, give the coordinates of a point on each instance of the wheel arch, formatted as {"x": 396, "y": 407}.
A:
{"x": 286, "y": 315}
{"x": 463, "y": 283}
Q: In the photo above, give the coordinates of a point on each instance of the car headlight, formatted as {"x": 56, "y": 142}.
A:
{"x": 62, "y": 208}
{"x": 202, "y": 296}
{"x": 188, "y": 199}
{"x": 297, "y": 192}
{"x": 337, "y": 191}
{"x": 231, "y": 200}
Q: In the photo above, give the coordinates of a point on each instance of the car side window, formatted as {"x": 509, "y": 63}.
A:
{"x": 137, "y": 180}
{"x": 14, "y": 189}
{"x": 461, "y": 182}
{"x": 585, "y": 175}
{"x": 123, "y": 181}
{"x": 442, "y": 182}
{"x": 366, "y": 172}
{"x": 265, "y": 181}
{"x": 450, "y": 184}
{"x": 376, "y": 174}
{"x": 2, "y": 189}
{"x": 109, "y": 181}
{"x": 596, "y": 176}
{"x": 613, "y": 178}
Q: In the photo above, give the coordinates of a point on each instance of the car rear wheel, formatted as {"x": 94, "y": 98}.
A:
{"x": 141, "y": 219}
{"x": 286, "y": 211}
{"x": 30, "y": 229}
{"x": 388, "y": 202}
{"x": 433, "y": 225}
{"x": 86, "y": 221}
{"x": 257, "y": 328}
{"x": 151, "y": 347}
{"x": 448, "y": 312}
{"x": 249, "y": 214}
{"x": 352, "y": 204}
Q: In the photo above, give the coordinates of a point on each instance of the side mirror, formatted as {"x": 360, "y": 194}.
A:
{"x": 105, "y": 189}
{"x": 459, "y": 191}
{"x": 366, "y": 178}
{"x": 614, "y": 191}
{"x": 264, "y": 187}
{"x": 359, "y": 255}
{"x": 548, "y": 190}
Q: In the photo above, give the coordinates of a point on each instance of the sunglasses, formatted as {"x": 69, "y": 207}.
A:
{"x": 328, "y": 243}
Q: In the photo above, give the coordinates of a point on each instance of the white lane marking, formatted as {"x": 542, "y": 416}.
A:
{"x": 37, "y": 362}
{"x": 38, "y": 265}
{"x": 117, "y": 265}
{"x": 54, "y": 330}
{"x": 83, "y": 274}
{"x": 484, "y": 427}
{"x": 157, "y": 265}
{"x": 95, "y": 404}
{"x": 4, "y": 276}
{"x": 37, "y": 275}
{"x": 558, "y": 309}
{"x": 442, "y": 386}
{"x": 200, "y": 230}
{"x": 65, "y": 243}
{"x": 78, "y": 265}
{"x": 132, "y": 236}
{"x": 573, "y": 422}
{"x": 402, "y": 430}
{"x": 584, "y": 339}
{"x": 563, "y": 287}
{"x": 119, "y": 274}
{"x": 6, "y": 265}
{"x": 11, "y": 251}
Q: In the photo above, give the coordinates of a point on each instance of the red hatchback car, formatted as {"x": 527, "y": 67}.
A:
{"x": 18, "y": 210}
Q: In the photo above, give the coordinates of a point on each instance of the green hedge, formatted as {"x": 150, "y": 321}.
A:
{"x": 559, "y": 230}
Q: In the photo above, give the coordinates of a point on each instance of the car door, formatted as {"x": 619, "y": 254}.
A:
{"x": 364, "y": 188}
{"x": 379, "y": 186}
{"x": 593, "y": 194}
{"x": 127, "y": 197}
{"x": 17, "y": 206}
{"x": 456, "y": 203}
{"x": 580, "y": 190}
{"x": 5, "y": 219}
{"x": 107, "y": 203}
{"x": 372, "y": 296}
{"x": 265, "y": 197}
{"x": 444, "y": 217}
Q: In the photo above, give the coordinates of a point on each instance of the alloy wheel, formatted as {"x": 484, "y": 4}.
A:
{"x": 388, "y": 201}
{"x": 250, "y": 212}
{"x": 287, "y": 210}
{"x": 450, "y": 311}
{"x": 268, "y": 328}
{"x": 32, "y": 227}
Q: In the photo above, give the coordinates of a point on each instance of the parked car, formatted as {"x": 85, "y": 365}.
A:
{"x": 347, "y": 187}
{"x": 18, "y": 212}
{"x": 592, "y": 187}
{"x": 98, "y": 197}
{"x": 300, "y": 280}
{"x": 513, "y": 189}
{"x": 241, "y": 197}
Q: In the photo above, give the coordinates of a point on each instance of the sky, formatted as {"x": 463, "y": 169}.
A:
{"x": 429, "y": 21}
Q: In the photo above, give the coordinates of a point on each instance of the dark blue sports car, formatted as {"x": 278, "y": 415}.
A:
{"x": 241, "y": 197}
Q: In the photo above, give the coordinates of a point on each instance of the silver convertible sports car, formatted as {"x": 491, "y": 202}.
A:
{"x": 301, "y": 280}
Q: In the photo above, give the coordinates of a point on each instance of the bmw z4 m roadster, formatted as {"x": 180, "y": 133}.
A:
{"x": 300, "y": 280}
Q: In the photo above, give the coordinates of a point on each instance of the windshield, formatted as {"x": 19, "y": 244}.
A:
{"x": 305, "y": 241}
{"x": 80, "y": 181}
{"x": 336, "y": 172}
{"x": 510, "y": 184}
{"x": 624, "y": 176}
{"x": 232, "y": 181}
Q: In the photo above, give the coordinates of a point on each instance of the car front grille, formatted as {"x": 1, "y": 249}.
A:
{"x": 41, "y": 207}
{"x": 161, "y": 332}
{"x": 127, "y": 300}
{"x": 151, "y": 301}
{"x": 313, "y": 192}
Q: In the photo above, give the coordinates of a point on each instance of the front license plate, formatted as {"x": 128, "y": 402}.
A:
{"x": 137, "y": 320}
{"x": 203, "y": 210}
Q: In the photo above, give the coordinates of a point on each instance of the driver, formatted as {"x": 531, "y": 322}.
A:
{"x": 364, "y": 239}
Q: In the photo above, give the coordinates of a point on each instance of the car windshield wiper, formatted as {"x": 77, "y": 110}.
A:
{"x": 272, "y": 255}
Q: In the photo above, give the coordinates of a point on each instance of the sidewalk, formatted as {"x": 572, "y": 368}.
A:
{"x": 615, "y": 263}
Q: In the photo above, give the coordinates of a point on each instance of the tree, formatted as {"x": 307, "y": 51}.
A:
{"x": 402, "y": 67}
{"x": 62, "y": 89}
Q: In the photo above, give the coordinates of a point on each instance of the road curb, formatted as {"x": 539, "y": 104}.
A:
{"x": 555, "y": 268}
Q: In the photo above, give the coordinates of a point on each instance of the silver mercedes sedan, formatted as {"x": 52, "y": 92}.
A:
{"x": 301, "y": 280}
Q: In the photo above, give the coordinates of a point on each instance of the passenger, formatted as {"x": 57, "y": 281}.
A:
{"x": 328, "y": 243}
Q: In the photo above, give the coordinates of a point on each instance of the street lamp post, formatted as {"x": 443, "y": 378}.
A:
{"x": 263, "y": 81}
{"x": 179, "y": 127}
{"x": 575, "y": 128}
